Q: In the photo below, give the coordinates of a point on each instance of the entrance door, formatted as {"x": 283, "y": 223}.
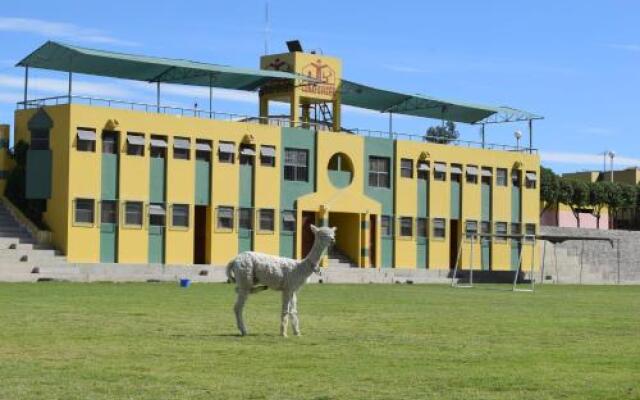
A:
{"x": 308, "y": 218}
{"x": 372, "y": 240}
{"x": 108, "y": 231}
{"x": 200, "y": 235}
{"x": 454, "y": 233}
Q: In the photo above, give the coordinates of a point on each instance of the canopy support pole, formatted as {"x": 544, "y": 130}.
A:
{"x": 70, "y": 85}
{"x": 390, "y": 125}
{"x": 210, "y": 96}
{"x": 26, "y": 85}
{"x": 530, "y": 136}
{"x": 482, "y": 133}
{"x": 158, "y": 96}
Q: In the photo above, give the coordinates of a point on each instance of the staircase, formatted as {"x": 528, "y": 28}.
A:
{"x": 20, "y": 255}
{"x": 337, "y": 259}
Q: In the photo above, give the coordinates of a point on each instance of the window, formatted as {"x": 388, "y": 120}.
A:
{"x": 516, "y": 228}
{"x": 108, "y": 212}
{"x": 515, "y": 177}
{"x": 379, "y": 171}
{"x": 226, "y": 152}
{"x": 470, "y": 229}
{"x": 406, "y": 226}
{"x": 439, "y": 227}
{"x": 109, "y": 142}
{"x": 245, "y": 218}
{"x": 288, "y": 221}
{"x": 39, "y": 139}
{"x": 247, "y": 154}
{"x": 135, "y": 144}
{"x": 266, "y": 220}
{"x": 501, "y": 229}
{"x": 386, "y": 225}
{"x": 406, "y": 168}
{"x": 86, "y": 140}
{"x": 486, "y": 175}
{"x": 530, "y": 180}
{"x": 472, "y": 174}
{"x": 180, "y": 215}
{"x": 423, "y": 170}
{"x": 133, "y": 213}
{"x": 296, "y": 165}
{"x": 440, "y": 171}
{"x": 485, "y": 228}
{"x": 181, "y": 148}
{"x": 225, "y": 218}
{"x": 157, "y": 214}
{"x": 158, "y": 147}
{"x": 501, "y": 177}
{"x": 84, "y": 211}
{"x": 203, "y": 150}
{"x": 456, "y": 172}
{"x": 422, "y": 227}
{"x": 530, "y": 229}
{"x": 268, "y": 156}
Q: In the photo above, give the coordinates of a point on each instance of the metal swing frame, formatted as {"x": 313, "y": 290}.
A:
{"x": 525, "y": 238}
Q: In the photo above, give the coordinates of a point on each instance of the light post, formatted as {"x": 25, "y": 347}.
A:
{"x": 611, "y": 155}
{"x": 517, "y": 134}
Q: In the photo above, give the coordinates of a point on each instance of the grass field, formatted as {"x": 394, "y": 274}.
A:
{"x": 156, "y": 341}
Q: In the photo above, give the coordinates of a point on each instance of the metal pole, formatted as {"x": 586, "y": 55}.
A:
{"x": 390, "y": 125}
{"x": 544, "y": 253}
{"x": 471, "y": 263}
{"x": 611, "y": 155}
{"x": 210, "y": 96}
{"x": 482, "y": 133}
{"x": 618, "y": 258}
{"x": 530, "y": 136}
{"x": 26, "y": 85}
{"x": 70, "y": 85}
{"x": 158, "y": 96}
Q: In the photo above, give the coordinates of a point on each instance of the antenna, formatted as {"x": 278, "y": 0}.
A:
{"x": 267, "y": 27}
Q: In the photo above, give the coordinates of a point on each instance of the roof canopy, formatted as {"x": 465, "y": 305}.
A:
{"x": 358, "y": 95}
{"x": 62, "y": 57}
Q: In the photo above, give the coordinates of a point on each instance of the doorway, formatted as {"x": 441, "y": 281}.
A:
{"x": 200, "y": 235}
{"x": 308, "y": 218}
{"x": 454, "y": 233}
{"x": 372, "y": 241}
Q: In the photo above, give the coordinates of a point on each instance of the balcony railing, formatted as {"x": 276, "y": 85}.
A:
{"x": 282, "y": 121}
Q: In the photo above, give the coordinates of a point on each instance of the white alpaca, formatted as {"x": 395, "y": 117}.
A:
{"x": 253, "y": 272}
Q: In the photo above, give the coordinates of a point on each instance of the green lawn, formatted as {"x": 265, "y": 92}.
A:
{"x": 157, "y": 341}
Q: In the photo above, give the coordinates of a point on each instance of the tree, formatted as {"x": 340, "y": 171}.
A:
{"x": 442, "y": 134}
{"x": 579, "y": 198}
{"x": 597, "y": 199}
{"x": 549, "y": 189}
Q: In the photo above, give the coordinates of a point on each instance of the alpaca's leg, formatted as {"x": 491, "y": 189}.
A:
{"x": 294, "y": 315}
{"x": 242, "y": 298}
{"x": 286, "y": 306}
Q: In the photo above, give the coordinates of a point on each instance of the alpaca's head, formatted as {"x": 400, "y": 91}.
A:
{"x": 325, "y": 236}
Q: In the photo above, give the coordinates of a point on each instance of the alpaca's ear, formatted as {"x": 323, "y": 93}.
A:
{"x": 314, "y": 228}
{"x": 335, "y": 228}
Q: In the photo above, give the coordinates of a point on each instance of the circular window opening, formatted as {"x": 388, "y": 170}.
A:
{"x": 340, "y": 170}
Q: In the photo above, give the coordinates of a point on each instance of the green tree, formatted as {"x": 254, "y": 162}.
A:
{"x": 598, "y": 199}
{"x": 579, "y": 198}
{"x": 443, "y": 134}
{"x": 549, "y": 189}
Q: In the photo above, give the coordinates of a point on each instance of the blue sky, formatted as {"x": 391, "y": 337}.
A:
{"x": 575, "y": 62}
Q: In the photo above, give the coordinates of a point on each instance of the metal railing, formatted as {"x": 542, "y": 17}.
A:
{"x": 281, "y": 121}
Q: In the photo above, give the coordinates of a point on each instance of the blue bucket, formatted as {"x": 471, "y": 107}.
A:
{"x": 185, "y": 283}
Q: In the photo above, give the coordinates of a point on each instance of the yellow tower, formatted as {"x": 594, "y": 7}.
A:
{"x": 304, "y": 97}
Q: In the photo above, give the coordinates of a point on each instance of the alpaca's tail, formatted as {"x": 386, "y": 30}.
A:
{"x": 229, "y": 271}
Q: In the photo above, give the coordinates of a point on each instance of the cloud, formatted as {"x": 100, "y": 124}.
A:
{"x": 61, "y": 30}
{"x": 586, "y": 159}
{"x": 633, "y": 47}
{"x": 61, "y": 86}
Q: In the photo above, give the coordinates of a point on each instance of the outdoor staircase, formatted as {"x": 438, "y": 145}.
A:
{"x": 20, "y": 255}
{"x": 337, "y": 259}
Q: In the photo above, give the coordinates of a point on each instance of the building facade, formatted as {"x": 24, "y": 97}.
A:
{"x": 140, "y": 186}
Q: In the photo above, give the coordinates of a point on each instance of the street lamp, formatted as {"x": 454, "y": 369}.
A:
{"x": 517, "y": 134}
{"x": 611, "y": 155}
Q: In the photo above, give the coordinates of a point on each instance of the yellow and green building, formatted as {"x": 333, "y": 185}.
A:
{"x": 147, "y": 183}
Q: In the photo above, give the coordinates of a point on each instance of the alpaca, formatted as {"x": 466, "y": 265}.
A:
{"x": 253, "y": 272}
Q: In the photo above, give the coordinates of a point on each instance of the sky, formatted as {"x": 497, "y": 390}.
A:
{"x": 576, "y": 63}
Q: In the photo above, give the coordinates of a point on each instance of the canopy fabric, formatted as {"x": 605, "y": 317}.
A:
{"x": 156, "y": 209}
{"x": 423, "y": 166}
{"x": 288, "y": 216}
{"x": 472, "y": 170}
{"x": 224, "y": 147}
{"x": 247, "y": 151}
{"x": 203, "y": 146}
{"x": 531, "y": 176}
{"x": 455, "y": 169}
{"x": 181, "y": 143}
{"x": 84, "y": 134}
{"x": 486, "y": 172}
{"x": 267, "y": 151}
{"x": 63, "y": 57}
{"x": 363, "y": 96}
{"x": 157, "y": 142}
{"x": 135, "y": 139}
{"x": 440, "y": 167}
